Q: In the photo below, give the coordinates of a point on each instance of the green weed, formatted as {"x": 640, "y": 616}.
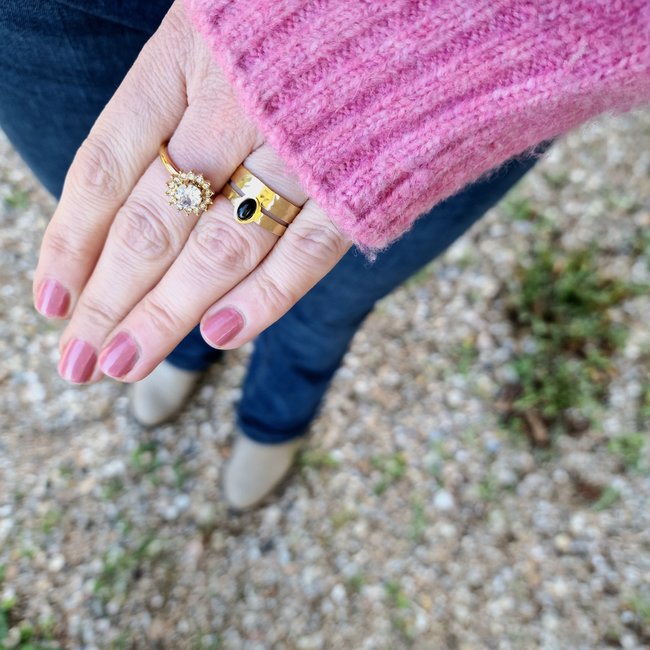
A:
{"x": 418, "y": 521}
{"x": 145, "y": 457}
{"x": 464, "y": 355}
{"x": 113, "y": 488}
{"x": 50, "y": 520}
{"x": 629, "y": 449}
{"x": 31, "y": 636}
{"x": 392, "y": 468}
{"x": 488, "y": 488}
{"x": 400, "y": 619}
{"x": 317, "y": 459}
{"x": 396, "y": 596}
{"x": 121, "y": 565}
{"x": 640, "y": 605}
{"x": 17, "y": 200}
{"x": 607, "y": 499}
{"x": 355, "y": 582}
{"x": 560, "y": 302}
{"x": 519, "y": 208}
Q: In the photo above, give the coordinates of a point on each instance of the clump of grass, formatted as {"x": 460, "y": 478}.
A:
{"x": 519, "y": 208}
{"x": 113, "y": 488}
{"x": 211, "y": 641}
{"x": 400, "y": 617}
{"x": 181, "y": 474}
{"x": 560, "y": 302}
{"x": 464, "y": 355}
{"x": 640, "y": 605}
{"x": 629, "y": 449}
{"x": 15, "y": 632}
{"x": 317, "y": 459}
{"x": 17, "y": 200}
{"x": 419, "y": 521}
{"x": 488, "y": 488}
{"x": 51, "y": 520}
{"x": 392, "y": 468}
{"x": 396, "y": 596}
{"x": 608, "y": 497}
{"x": 121, "y": 566}
{"x": 355, "y": 583}
{"x": 145, "y": 457}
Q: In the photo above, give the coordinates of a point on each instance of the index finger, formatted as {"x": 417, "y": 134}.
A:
{"x": 123, "y": 141}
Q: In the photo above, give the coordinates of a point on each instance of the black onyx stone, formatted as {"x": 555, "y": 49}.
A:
{"x": 246, "y": 209}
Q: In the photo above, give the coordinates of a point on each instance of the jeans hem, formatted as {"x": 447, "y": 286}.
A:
{"x": 265, "y": 438}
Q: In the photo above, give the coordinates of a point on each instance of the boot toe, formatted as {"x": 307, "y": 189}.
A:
{"x": 162, "y": 394}
{"x": 254, "y": 470}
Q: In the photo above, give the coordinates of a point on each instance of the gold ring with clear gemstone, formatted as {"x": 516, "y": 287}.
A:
{"x": 186, "y": 191}
{"x": 255, "y": 202}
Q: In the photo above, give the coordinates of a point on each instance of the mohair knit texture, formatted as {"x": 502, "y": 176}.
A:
{"x": 383, "y": 109}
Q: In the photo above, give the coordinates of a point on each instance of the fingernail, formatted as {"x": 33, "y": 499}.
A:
{"x": 119, "y": 356}
{"x": 52, "y": 299}
{"x": 222, "y": 326}
{"x": 78, "y": 361}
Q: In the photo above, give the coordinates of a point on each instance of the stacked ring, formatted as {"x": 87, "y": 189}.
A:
{"x": 254, "y": 201}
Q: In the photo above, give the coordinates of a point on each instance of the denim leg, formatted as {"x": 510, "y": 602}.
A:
{"x": 62, "y": 62}
{"x": 295, "y": 359}
{"x": 193, "y": 353}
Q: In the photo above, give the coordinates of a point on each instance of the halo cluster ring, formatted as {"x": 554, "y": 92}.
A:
{"x": 189, "y": 192}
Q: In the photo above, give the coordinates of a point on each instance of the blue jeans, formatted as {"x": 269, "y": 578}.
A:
{"x": 62, "y": 61}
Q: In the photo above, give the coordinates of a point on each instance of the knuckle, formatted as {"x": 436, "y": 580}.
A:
{"x": 141, "y": 232}
{"x": 63, "y": 244}
{"x": 98, "y": 313}
{"x": 219, "y": 246}
{"x": 317, "y": 242}
{"x": 97, "y": 169}
{"x": 272, "y": 296}
{"x": 165, "y": 321}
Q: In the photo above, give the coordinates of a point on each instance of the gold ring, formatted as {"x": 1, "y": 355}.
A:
{"x": 253, "y": 201}
{"x": 187, "y": 191}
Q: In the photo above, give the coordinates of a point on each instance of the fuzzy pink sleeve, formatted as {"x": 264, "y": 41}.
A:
{"x": 383, "y": 109}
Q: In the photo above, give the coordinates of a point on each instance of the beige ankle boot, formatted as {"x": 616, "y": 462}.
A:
{"x": 254, "y": 470}
{"x": 162, "y": 394}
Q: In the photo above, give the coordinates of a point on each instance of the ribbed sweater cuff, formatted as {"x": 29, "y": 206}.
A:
{"x": 383, "y": 109}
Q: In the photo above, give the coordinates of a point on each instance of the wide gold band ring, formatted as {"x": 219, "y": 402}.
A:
{"x": 186, "y": 191}
{"x": 255, "y": 202}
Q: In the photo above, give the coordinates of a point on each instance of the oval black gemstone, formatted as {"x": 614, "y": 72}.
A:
{"x": 246, "y": 209}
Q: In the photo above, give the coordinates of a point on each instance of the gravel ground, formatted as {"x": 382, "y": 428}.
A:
{"x": 415, "y": 519}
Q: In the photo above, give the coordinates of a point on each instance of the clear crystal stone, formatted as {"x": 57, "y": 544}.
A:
{"x": 188, "y": 197}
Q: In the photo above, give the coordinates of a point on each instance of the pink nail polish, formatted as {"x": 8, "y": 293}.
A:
{"x": 78, "y": 361}
{"x": 119, "y": 356}
{"x": 222, "y": 326}
{"x": 52, "y": 299}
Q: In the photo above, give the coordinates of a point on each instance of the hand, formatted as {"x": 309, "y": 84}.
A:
{"x": 133, "y": 274}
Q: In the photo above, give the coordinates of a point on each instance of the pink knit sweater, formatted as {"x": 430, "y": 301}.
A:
{"x": 384, "y": 108}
